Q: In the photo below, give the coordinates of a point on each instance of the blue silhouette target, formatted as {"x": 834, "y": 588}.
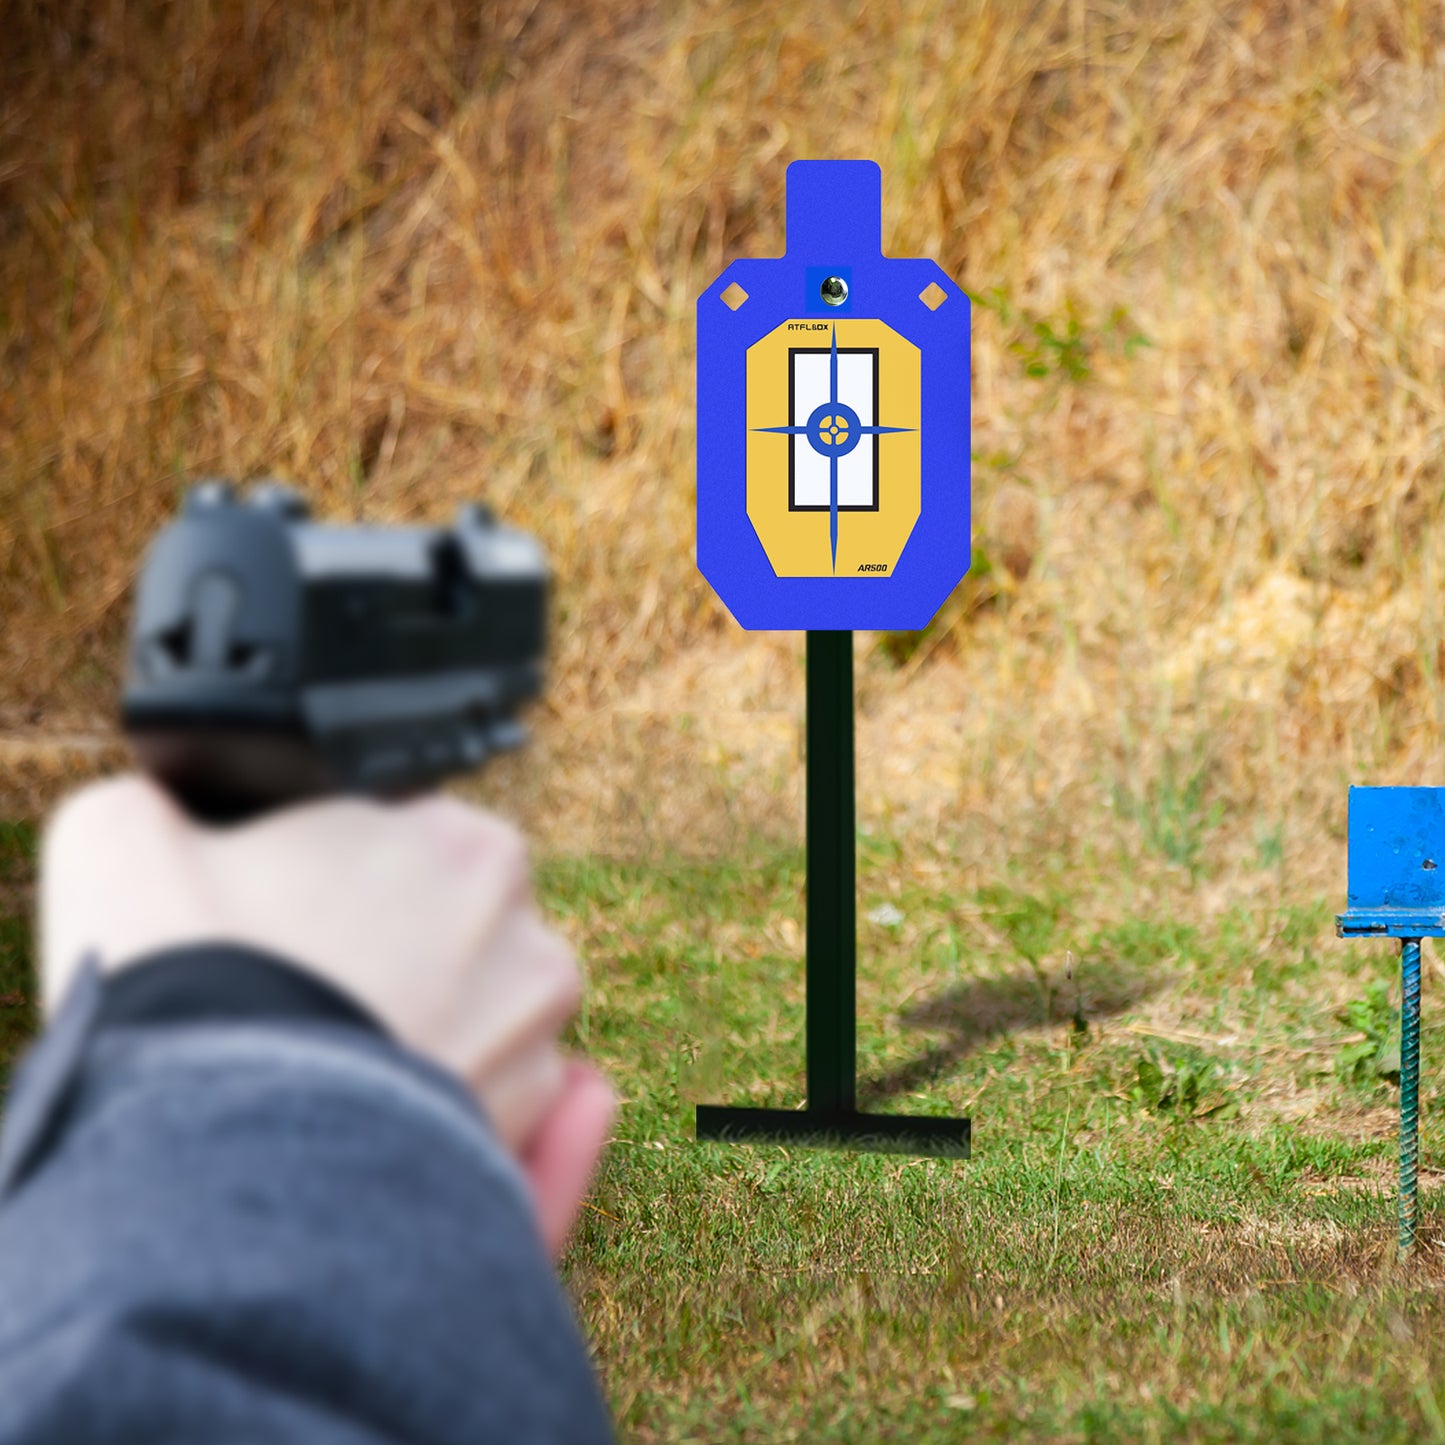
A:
{"x": 833, "y": 422}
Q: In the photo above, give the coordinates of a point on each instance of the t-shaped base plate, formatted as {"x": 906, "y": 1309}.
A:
{"x": 818, "y": 1129}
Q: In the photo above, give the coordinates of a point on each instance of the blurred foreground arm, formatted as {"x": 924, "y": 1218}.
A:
{"x": 245, "y": 1199}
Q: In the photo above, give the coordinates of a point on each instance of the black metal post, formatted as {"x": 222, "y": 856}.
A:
{"x": 831, "y": 1117}
{"x": 832, "y": 864}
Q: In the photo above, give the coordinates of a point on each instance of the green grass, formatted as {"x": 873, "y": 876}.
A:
{"x": 1178, "y": 1222}
{"x": 1183, "y": 1234}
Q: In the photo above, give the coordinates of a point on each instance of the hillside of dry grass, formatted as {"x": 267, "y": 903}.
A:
{"x": 405, "y": 254}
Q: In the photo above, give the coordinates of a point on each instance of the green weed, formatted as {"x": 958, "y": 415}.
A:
{"x": 1187, "y": 1087}
{"x": 1376, "y": 1056}
{"x": 1063, "y": 347}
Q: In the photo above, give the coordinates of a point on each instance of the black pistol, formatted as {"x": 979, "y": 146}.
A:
{"x": 274, "y": 659}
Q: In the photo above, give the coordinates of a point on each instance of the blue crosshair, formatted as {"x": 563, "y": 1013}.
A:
{"x": 833, "y": 430}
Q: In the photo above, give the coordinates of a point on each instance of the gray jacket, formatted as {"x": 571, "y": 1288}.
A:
{"x": 231, "y": 1209}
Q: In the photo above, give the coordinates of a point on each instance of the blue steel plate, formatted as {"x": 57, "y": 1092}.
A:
{"x": 833, "y": 442}
{"x": 1396, "y": 863}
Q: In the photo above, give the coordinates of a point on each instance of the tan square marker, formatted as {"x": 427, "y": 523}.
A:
{"x": 734, "y": 296}
{"x": 933, "y": 296}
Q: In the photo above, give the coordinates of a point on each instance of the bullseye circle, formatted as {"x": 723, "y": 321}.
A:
{"x": 834, "y": 429}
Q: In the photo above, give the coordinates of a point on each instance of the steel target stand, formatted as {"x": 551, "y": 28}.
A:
{"x": 1397, "y": 890}
{"x": 830, "y": 1118}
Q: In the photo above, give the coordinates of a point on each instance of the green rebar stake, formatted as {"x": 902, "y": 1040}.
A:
{"x": 1409, "y": 1092}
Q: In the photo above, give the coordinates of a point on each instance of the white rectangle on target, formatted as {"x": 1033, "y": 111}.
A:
{"x": 811, "y": 388}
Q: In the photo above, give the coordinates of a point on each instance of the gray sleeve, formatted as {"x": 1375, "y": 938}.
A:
{"x": 242, "y": 1232}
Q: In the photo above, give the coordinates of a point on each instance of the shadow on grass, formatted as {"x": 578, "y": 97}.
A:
{"x": 976, "y": 1012}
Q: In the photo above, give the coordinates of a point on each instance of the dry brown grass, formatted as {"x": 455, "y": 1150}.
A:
{"x": 407, "y": 255}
